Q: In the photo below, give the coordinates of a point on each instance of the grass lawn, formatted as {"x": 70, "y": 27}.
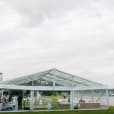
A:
{"x": 55, "y": 104}
{"x": 109, "y": 111}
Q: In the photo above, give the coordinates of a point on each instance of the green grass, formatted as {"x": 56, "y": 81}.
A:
{"x": 55, "y": 104}
{"x": 109, "y": 111}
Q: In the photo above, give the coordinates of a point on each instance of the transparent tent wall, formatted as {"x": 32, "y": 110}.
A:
{"x": 57, "y": 100}
{"x": 50, "y": 100}
{"x": 90, "y": 99}
{"x": 63, "y": 100}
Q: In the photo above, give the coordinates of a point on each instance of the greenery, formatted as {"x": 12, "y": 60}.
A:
{"x": 109, "y": 111}
{"x": 55, "y": 104}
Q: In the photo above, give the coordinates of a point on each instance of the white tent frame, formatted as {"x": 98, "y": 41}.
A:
{"x": 67, "y": 81}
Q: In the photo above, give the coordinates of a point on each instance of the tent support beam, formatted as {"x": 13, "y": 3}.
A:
{"x": 71, "y": 100}
{"x": 107, "y": 98}
{"x": 31, "y": 100}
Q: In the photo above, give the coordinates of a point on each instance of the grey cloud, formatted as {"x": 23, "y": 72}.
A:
{"x": 72, "y": 35}
{"x": 46, "y": 9}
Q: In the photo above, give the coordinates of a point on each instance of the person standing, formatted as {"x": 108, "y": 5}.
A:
{"x": 20, "y": 101}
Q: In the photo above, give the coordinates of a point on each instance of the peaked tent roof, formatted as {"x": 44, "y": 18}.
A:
{"x": 62, "y": 78}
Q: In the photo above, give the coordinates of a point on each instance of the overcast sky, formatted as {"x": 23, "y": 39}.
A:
{"x": 75, "y": 36}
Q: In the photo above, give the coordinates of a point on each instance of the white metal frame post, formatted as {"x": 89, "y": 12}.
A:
{"x": 107, "y": 98}
{"x": 23, "y": 98}
{"x": 2, "y": 91}
{"x": 31, "y": 100}
{"x": 72, "y": 100}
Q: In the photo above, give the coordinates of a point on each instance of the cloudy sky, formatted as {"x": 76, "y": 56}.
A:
{"x": 76, "y": 36}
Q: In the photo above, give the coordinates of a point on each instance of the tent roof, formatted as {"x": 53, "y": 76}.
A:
{"x": 59, "y": 77}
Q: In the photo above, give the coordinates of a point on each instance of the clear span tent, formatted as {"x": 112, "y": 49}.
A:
{"x": 82, "y": 93}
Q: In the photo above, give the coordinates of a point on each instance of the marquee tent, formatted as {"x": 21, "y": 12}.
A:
{"x": 56, "y": 80}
